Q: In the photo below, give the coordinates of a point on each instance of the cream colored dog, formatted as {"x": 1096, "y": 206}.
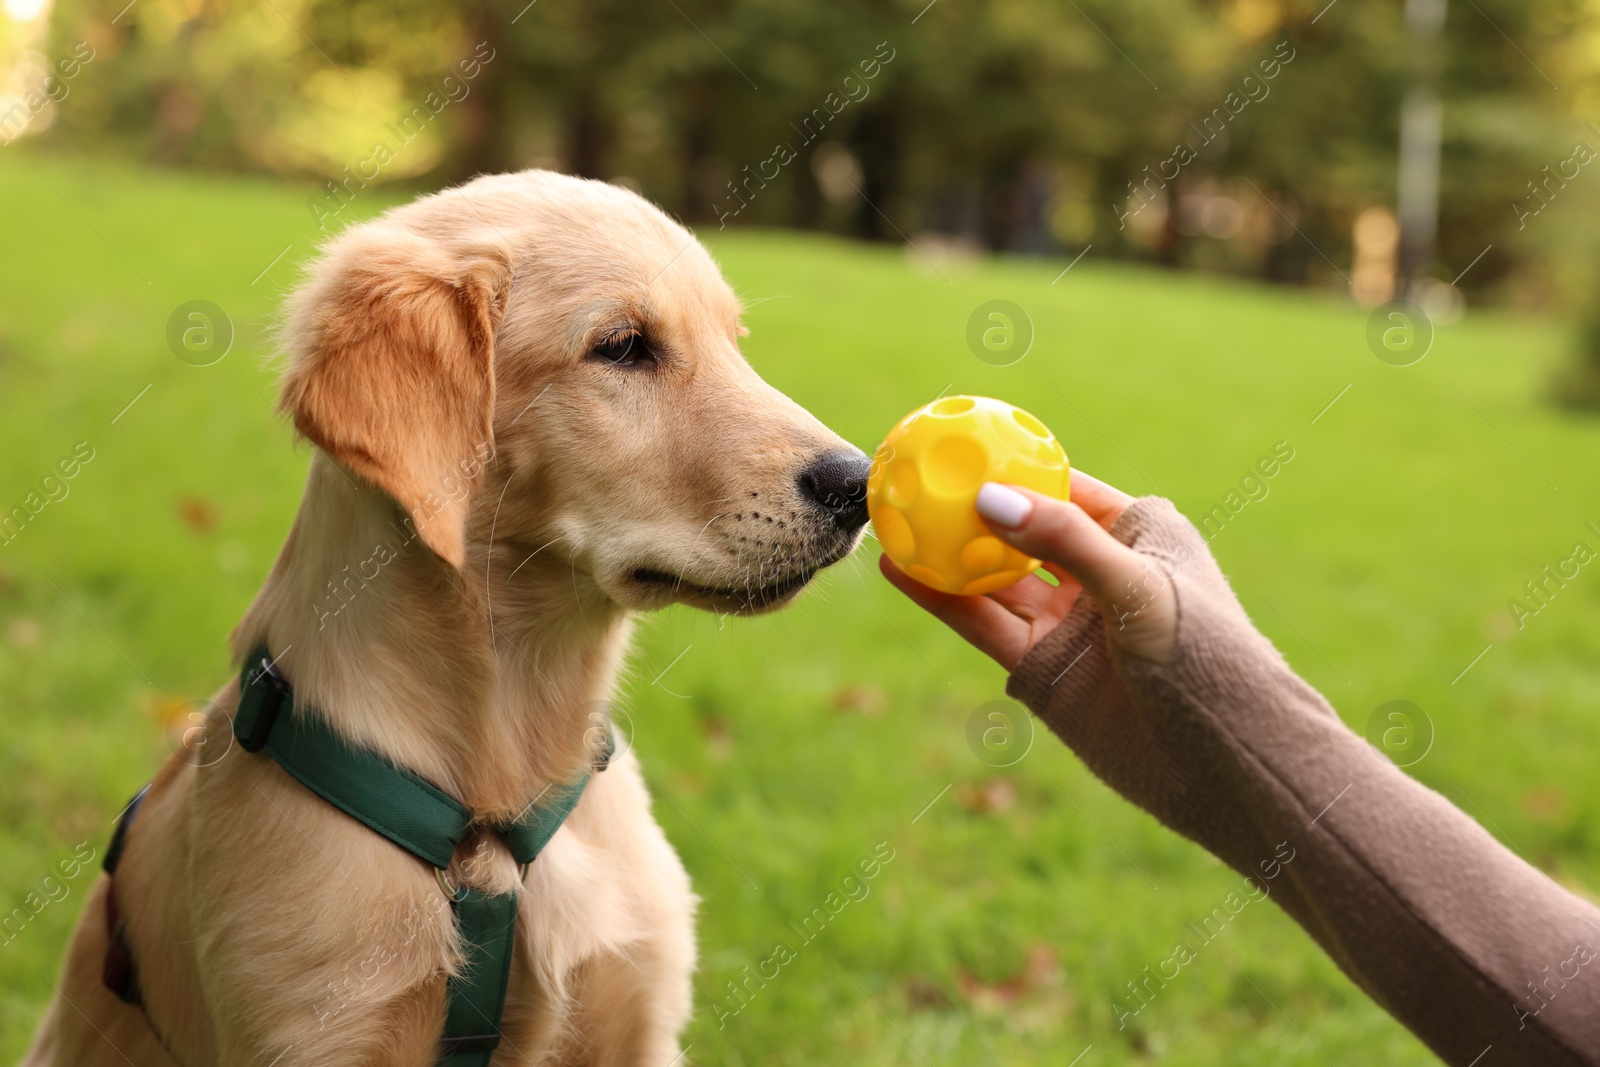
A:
{"x": 532, "y": 420}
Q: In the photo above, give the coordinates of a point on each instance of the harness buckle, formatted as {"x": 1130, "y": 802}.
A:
{"x": 452, "y": 893}
{"x": 265, "y": 693}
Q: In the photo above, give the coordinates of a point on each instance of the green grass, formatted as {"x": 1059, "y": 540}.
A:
{"x": 1393, "y": 541}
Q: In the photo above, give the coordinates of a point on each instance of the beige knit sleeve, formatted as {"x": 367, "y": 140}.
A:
{"x": 1481, "y": 955}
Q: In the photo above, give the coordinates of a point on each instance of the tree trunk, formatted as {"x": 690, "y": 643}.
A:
{"x": 876, "y": 142}
{"x": 805, "y": 204}
{"x": 482, "y": 143}
{"x": 698, "y": 143}
{"x": 1002, "y": 202}
{"x": 588, "y": 133}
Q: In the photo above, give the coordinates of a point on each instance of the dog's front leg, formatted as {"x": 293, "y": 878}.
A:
{"x": 403, "y": 1032}
{"x": 629, "y": 1010}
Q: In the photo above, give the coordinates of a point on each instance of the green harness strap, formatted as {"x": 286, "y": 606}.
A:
{"x": 426, "y": 822}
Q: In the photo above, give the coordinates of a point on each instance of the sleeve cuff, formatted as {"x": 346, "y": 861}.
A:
{"x": 1068, "y": 666}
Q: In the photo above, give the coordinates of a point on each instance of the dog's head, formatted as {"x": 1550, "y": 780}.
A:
{"x": 536, "y": 363}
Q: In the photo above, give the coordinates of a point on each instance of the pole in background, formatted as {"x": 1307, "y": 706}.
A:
{"x": 1421, "y": 124}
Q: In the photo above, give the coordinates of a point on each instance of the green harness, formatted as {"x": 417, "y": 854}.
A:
{"x": 423, "y": 820}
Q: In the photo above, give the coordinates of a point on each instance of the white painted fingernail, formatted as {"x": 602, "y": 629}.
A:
{"x": 1003, "y": 506}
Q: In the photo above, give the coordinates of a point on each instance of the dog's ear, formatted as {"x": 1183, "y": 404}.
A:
{"x": 393, "y": 371}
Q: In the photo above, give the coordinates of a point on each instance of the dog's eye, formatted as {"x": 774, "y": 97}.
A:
{"x": 623, "y": 350}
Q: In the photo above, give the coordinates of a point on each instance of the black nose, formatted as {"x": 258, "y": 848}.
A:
{"x": 837, "y": 483}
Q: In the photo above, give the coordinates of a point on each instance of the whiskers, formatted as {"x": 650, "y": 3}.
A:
{"x": 535, "y": 552}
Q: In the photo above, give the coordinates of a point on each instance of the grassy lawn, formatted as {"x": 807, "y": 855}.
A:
{"x": 1018, "y": 901}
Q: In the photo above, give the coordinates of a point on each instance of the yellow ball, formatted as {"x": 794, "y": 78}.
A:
{"x": 923, "y": 489}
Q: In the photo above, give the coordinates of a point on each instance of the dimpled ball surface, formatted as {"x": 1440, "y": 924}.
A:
{"x": 923, "y": 488}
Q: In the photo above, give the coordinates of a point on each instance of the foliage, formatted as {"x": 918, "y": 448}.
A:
{"x": 1021, "y": 124}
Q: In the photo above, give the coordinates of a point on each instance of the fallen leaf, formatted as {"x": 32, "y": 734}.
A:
{"x": 924, "y": 994}
{"x": 988, "y": 797}
{"x": 24, "y": 632}
{"x": 1040, "y": 971}
{"x": 197, "y": 514}
{"x": 1545, "y": 803}
{"x": 719, "y": 739}
{"x": 866, "y": 699}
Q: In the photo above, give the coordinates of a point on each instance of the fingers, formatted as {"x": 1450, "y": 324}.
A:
{"x": 1033, "y": 598}
{"x": 1061, "y": 533}
{"x": 1104, "y": 503}
{"x": 1135, "y": 594}
{"x": 1072, "y": 540}
{"x": 986, "y": 625}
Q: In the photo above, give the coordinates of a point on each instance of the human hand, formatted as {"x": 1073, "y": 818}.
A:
{"x": 1134, "y": 593}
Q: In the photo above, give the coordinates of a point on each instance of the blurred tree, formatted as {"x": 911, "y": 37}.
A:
{"x": 1235, "y": 135}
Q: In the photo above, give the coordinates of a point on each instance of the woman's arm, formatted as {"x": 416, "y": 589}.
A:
{"x": 1481, "y": 955}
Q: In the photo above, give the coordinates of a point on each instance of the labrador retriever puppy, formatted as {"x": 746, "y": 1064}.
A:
{"x": 531, "y": 421}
